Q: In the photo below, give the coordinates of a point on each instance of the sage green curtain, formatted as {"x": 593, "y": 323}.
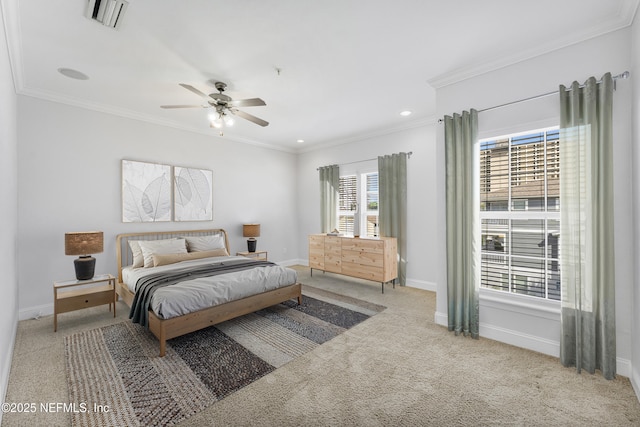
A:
{"x": 586, "y": 227}
{"x": 329, "y": 192}
{"x": 392, "y": 206}
{"x": 463, "y": 204}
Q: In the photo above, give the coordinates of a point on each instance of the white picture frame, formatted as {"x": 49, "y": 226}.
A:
{"x": 146, "y": 192}
{"x": 193, "y": 194}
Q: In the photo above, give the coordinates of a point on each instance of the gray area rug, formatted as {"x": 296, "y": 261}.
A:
{"x": 116, "y": 378}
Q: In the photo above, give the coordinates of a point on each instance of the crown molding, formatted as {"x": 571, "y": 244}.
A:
{"x": 426, "y": 121}
{"x": 10, "y": 17}
{"x": 623, "y": 18}
{"x": 116, "y": 111}
{"x": 9, "y": 9}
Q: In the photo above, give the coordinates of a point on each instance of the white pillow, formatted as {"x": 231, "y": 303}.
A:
{"x": 136, "y": 251}
{"x": 164, "y": 259}
{"x": 205, "y": 243}
{"x": 170, "y": 246}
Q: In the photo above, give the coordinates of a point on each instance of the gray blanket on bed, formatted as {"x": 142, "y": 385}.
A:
{"x": 147, "y": 285}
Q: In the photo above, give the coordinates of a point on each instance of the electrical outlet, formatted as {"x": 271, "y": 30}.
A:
{"x": 284, "y": 250}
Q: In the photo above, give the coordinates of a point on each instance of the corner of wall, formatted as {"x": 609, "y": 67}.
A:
{"x": 6, "y": 369}
{"x": 635, "y": 381}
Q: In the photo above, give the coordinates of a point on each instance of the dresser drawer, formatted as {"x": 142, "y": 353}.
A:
{"x": 363, "y": 245}
{"x": 316, "y": 242}
{"x": 316, "y": 260}
{"x": 316, "y": 252}
{"x": 332, "y": 245}
{"x": 362, "y": 271}
{"x": 333, "y": 263}
{"x": 363, "y": 257}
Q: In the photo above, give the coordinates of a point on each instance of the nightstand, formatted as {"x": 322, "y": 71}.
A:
{"x": 259, "y": 255}
{"x": 70, "y": 295}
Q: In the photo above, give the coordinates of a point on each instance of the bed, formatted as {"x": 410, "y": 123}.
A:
{"x": 195, "y": 287}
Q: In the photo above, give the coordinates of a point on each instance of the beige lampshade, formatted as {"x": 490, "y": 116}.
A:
{"x": 251, "y": 230}
{"x": 83, "y": 243}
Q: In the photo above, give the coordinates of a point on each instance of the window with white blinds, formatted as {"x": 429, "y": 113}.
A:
{"x": 360, "y": 190}
{"x": 347, "y": 203}
{"x": 520, "y": 213}
{"x": 371, "y": 204}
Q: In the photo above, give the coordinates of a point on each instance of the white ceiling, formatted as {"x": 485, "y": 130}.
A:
{"x": 347, "y": 67}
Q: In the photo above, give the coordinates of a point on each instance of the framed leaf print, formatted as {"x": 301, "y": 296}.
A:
{"x": 146, "y": 192}
{"x": 193, "y": 194}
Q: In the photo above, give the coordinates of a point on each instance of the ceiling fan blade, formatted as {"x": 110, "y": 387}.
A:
{"x": 252, "y": 102}
{"x": 183, "y": 106}
{"x": 251, "y": 118}
{"x": 193, "y": 89}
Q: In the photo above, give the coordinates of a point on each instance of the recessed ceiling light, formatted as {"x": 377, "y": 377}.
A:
{"x": 405, "y": 113}
{"x": 73, "y": 74}
{"x": 300, "y": 141}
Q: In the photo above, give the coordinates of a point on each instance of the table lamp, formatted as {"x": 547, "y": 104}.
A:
{"x": 84, "y": 244}
{"x": 251, "y": 231}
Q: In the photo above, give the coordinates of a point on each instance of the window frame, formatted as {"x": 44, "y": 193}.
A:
{"x": 512, "y": 214}
{"x": 360, "y": 171}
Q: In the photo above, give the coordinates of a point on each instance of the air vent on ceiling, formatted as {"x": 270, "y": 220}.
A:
{"x": 107, "y": 12}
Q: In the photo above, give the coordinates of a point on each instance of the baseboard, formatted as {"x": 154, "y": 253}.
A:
{"x": 412, "y": 283}
{"x": 6, "y": 369}
{"x": 540, "y": 345}
{"x": 441, "y": 319}
{"x": 422, "y": 284}
{"x": 35, "y": 312}
{"x": 635, "y": 382}
{"x": 519, "y": 339}
{"x": 624, "y": 368}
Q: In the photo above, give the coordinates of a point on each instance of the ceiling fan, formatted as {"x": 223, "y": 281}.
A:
{"x": 224, "y": 106}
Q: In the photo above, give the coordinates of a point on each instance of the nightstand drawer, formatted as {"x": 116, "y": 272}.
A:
{"x": 84, "y": 298}
{"x": 71, "y": 295}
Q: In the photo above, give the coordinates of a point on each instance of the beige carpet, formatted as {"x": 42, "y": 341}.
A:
{"x": 118, "y": 367}
{"x": 397, "y": 368}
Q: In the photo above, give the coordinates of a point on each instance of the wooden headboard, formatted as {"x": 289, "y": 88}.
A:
{"x": 123, "y": 250}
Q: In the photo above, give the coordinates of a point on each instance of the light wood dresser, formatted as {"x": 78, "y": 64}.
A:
{"x": 366, "y": 258}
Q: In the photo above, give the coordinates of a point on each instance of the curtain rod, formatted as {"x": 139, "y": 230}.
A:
{"x": 367, "y": 160}
{"x": 624, "y": 75}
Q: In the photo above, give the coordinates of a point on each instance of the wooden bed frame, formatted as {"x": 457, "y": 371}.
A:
{"x": 165, "y": 329}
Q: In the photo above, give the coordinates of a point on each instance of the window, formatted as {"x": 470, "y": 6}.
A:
{"x": 347, "y": 203}
{"x": 520, "y": 213}
{"x": 371, "y": 204}
{"x": 359, "y": 190}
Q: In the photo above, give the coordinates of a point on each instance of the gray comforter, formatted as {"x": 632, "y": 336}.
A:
{"x": 188, "y": 287}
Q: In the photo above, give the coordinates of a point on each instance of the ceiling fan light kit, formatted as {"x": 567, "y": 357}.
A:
{"x": 224, "y": 105}
{"x": 219, "y": 120}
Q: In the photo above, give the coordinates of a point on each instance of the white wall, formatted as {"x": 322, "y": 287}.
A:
{"x": 526, "y": 322}
{"x": 69, "y": 170}
{"x": 422, "y": 248}
{"x": 635, "y": 327}
{"x": 9, "y": 216}
{"x": 68, "y": 165}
